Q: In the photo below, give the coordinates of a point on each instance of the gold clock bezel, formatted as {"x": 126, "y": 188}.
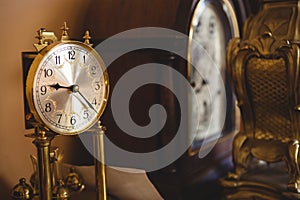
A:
{"x": 34, "y": 69}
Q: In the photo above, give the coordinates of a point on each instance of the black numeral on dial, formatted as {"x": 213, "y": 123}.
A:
{"x": 71, "y": 55}
{"x": 86, "y": 114}
{"x": 97, "y": 85}
{"x": 48, "y": 107}
{"x": 43, "y": 90}
{"x": 93, "y": 70}
{"x": 57, "y": 60}
{"x": 94, "y": 102}
{"x": 48, "y": 72}
{"x": 59, "y": 115}
{"x": 73, "y": 120}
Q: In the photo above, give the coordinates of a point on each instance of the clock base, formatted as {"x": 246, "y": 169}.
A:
{"x": 27, "y": 59}
{"x": 266, "y": 182}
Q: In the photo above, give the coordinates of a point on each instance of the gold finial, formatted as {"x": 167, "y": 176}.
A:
{"x": 40, "y": 36}
{"x": 64, "y": 34}
{"x": 41, "y": 44}
{"x": 45, "y": 38}
{"x": 87, "y": 38}
{"x": 22, "y": 190}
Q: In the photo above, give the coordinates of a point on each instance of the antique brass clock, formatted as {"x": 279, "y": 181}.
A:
{"x": 212, "y": 24}
{"x": 66, "y": 91}
{"x": 67, "y": 87}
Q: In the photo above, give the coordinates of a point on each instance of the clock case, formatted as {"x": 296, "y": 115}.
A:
{"x": 32, "y": 73}
{"x": 32, "y": 60}
{"x": 27, "y": 59}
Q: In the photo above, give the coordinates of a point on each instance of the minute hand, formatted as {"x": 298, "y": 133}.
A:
{"x": 90, "y": 105}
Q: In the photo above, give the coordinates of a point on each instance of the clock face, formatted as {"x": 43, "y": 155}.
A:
{"x": 67, "y": 87}
{"x": 207, "y": 52}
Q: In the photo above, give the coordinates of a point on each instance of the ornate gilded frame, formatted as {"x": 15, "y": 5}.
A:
{"x": 246, "y": 142}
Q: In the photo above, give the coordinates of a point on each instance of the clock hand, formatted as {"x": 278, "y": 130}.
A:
{"x": 58, "y": 86}
{"x": 73, "y": 88}
{"x": 90, "y": 105}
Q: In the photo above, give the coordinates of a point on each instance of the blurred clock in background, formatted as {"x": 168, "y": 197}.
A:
{"x": 211, "y": 25}
{"x": 206, "y": 51}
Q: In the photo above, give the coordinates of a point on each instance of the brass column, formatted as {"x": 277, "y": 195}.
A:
{"x": 42, "y": 142}
{"x": 100, "y": 162}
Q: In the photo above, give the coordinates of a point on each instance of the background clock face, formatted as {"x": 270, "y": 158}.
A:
{"x": 69, "y": 88}
{"x": 207, "y": 51}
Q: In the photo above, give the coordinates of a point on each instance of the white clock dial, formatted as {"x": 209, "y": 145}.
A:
{"x": 207, "y": 53}
{"x": 68, "y": 87}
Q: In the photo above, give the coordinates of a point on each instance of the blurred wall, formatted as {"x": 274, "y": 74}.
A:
{"x": 19, "y": 21}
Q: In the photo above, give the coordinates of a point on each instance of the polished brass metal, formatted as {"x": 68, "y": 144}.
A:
{"x": 264, "y": 66}
{"x": 55, "y": 168}
{"x": 100, "y": 162}
{"x": 60, "y": 191}
{"x": 73, "y": 181}
{"x": 64, "y": 34}
{"x": 87, "y": 38}
{"x": 47, "y": 164}
{"x": 42, "y": 141}
{"x": 34, "y": 179}
{"x": 32, "y": 93}
{"x": 22, "y": 191}
{"x": 56, "y": 158}
{"x": 45, "y": 38}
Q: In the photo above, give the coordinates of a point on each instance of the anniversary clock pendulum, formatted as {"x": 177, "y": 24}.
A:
{"x": 66, "y": 91}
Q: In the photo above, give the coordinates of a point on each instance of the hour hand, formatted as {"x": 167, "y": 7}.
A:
{"x": 58, "y": 86}
{"x": 74, "y": 89}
